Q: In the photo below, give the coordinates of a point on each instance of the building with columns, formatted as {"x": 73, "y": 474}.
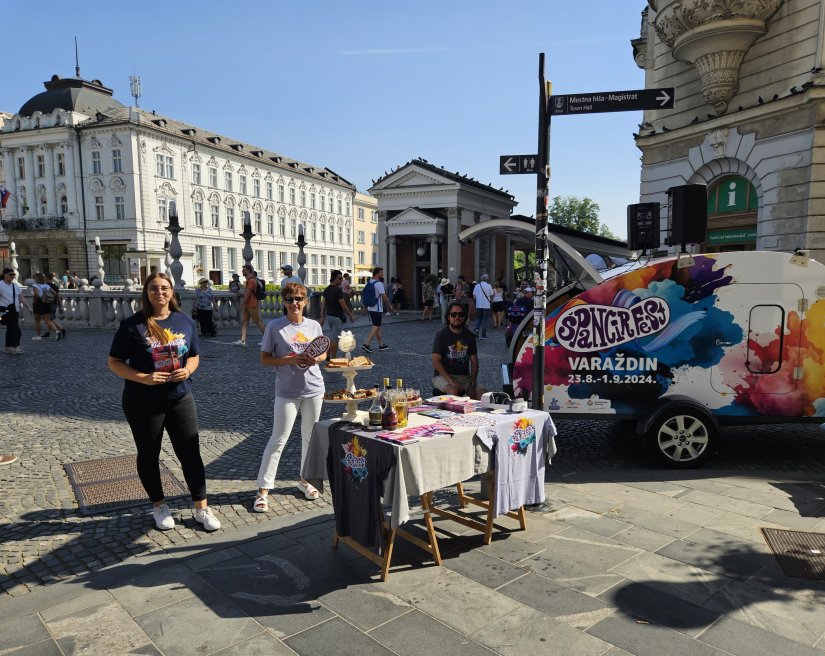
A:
{"x": 422, "y": 208}
{"x": 749, "y": 80}
{"x": 82, "y": 165}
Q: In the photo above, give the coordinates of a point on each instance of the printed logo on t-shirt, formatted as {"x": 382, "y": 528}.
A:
{"x": 459, "y": 352}
{"x": 524, "y": 434}
{"x": 298, "y": 342}
{"x": 168, "y": 356}
{"x": 354, "y": 461}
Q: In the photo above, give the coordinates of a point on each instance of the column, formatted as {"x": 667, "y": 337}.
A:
{"x": 31, "y": 199}
{"x": 381, "y": 239}
{"x": 48, "y": 156}
{"x": 509, "y": 278}
{"x": 453, "y": 247}
{"x": 493, "y": 272}
{"x": 71, "y": 191}
{"x": 392, "y": 261}
{"x": 433, "y": 241}
{"x": 11, "y": 181}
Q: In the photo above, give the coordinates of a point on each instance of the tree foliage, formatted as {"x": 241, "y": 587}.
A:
{"x": 579, "y": 214}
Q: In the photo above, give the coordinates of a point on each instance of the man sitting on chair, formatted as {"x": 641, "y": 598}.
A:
{"x": 455, "y": 357}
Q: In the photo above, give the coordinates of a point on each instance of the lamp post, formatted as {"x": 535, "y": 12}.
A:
{"x": 176, "y": 268}
{"x": 302, "y": 258}
{"x": 247, "y": 235}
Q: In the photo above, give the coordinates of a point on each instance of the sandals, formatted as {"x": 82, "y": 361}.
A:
{"x": 309, "y": 490}
{"x": 261, "y": 503}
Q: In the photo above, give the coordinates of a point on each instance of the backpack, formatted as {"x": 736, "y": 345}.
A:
{"x": 48, "y": 294}
{"x": 368, "y": 297}
{"x": 260, "y": 289}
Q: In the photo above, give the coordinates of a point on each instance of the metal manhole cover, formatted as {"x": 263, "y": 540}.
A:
{"x": 801, "y": 555}
{"x": 112, "y": 484}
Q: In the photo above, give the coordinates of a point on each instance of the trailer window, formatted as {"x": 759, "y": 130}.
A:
{"x": 765, "y": 339}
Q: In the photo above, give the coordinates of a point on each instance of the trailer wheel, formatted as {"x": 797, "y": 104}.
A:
{"x": 681, "y": 438}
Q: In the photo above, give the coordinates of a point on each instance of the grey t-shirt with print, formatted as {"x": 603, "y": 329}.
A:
{"x": 283, "y": 337}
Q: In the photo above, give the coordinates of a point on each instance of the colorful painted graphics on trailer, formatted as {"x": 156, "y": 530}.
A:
{"x": 741, "y": 333}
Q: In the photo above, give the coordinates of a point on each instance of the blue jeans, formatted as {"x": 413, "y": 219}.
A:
{"x": 482, "y": 318}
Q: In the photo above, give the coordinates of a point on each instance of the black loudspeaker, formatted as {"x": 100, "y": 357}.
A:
{"x": 688, "y": 214}
{"x": 643, "y": 226}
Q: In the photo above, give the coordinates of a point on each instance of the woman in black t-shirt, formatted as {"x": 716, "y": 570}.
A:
{"x": 156, "y": 352}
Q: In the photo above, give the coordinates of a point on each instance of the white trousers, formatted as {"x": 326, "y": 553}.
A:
{"x": 284, "y": 414}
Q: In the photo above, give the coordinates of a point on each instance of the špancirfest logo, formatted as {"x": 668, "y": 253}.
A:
{"x": 596, "y": 327}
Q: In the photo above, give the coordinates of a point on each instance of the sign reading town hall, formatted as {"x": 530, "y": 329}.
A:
{"x": 611, "y": 101}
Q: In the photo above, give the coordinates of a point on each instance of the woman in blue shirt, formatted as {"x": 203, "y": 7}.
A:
{"x": 156, "y": 352}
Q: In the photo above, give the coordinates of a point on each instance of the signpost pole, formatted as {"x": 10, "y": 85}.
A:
{"x": 540, "y": 272}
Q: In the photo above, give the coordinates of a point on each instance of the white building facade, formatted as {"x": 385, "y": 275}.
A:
{"x": 82, "y": 165}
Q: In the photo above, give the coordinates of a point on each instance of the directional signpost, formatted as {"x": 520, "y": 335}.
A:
{"x": 511, "y": 164}
{"x": 611, "y": 101}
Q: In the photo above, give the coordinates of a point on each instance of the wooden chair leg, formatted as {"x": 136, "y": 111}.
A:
{"x": 522, "y": 518}
{"x": 488, "y": 529}
{"x": 385, "y": 568}
{"x": 462, "y": 501}
{"x": 427, "y": 504}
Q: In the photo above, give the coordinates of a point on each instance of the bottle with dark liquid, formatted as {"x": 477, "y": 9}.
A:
{"x": 375, "y": 411}
{"x": 389, "y": 418}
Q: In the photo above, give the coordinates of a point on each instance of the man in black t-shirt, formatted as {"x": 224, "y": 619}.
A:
{"x": 455, "y": 356}
{"x": 333, "y": 308}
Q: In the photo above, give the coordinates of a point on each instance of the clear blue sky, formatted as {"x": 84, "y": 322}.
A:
{"x": 362, "y": 87}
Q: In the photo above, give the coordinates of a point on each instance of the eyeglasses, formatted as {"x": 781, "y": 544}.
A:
{"x": 294, "y": 299}
{"x": 456, "y": 314}
{"x": 160, "y": 290}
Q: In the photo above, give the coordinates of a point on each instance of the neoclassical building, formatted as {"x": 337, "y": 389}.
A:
{"x": 422, "y": 208}
{"x": 82, "y": 165}
{"x": 749, "y": 85}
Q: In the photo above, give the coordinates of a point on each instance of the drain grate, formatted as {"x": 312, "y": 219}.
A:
{"x": 801, "y": 555}
{"x": 113, "y": 484}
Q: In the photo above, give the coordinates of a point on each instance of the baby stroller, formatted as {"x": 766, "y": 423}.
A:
{"x": 515, "y": 315}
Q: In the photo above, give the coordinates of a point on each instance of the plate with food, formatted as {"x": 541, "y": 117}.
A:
{"x": 359, "y": 363}
{"x": 342, "y": 395}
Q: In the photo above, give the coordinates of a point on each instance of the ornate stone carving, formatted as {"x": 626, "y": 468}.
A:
{"x": 717, "y": 140}
{"x": 714, "y": 35}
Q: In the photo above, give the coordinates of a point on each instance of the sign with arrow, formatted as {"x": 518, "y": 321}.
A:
{"x": 513, "y": 164}
{"x": 611, "y": 101}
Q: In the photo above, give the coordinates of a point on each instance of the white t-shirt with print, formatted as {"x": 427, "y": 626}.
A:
{"x": 283, "y": 337}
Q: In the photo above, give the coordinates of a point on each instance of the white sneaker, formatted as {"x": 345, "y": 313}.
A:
{"x": 240, "y": 342}
{"x": 163, "y": 517}
{"x": 207, "y": 518}
{"x": 36, "y": 338}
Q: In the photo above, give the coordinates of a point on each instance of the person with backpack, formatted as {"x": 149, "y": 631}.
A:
{"x": 374, "y": 297}
{"x": 44, "y": 297}
{"x": 254, "y": 292}
{"x": 51, "y": 281}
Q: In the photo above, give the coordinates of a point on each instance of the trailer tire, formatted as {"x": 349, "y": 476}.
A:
{"x": 681, "y": 438}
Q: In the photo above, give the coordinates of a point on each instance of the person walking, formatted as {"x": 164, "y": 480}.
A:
{"x": 399, "y": 297}
{"x": 299, "y": 387}
{"x": 156, "y": 352}
{"x": 44, "y": 296}
{"x": 346, "y": 287}
{"x": 250, "y": 308}
{"x": 10, "y": 302}
{"x": 427, "y": 296}
{"x": 445, "y": 296}
{"x": 376, "y": 311}
{"x": 333, "y": 310}
{"x": 204, "y": 306}
{"x": 497, "y": 305}
{"x": 289, "y": 277}
{"x": 51, "y": 281}
{"x": 482, "y": 298}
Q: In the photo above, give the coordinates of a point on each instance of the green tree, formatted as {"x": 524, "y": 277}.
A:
{"x": 579, "y": 214}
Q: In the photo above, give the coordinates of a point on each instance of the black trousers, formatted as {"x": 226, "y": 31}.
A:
{"x": 207, "y": 325}
{"x": 13, "y": 332}
{"x": 180, "y": 419}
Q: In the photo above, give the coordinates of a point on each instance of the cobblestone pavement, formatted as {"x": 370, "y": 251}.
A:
{"x": 60, "y": 404}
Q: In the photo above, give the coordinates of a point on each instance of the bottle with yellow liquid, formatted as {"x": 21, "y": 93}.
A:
{"x": 399, "y": 403}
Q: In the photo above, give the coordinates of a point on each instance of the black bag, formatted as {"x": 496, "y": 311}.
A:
{"x": 4, "y": 316}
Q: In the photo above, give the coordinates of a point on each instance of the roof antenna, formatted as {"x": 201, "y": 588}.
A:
{"x": 136, "y": 87}
{"x": 76, "y": 59}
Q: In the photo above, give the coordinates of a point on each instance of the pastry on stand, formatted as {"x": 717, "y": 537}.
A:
{"x": 349, "y": 367}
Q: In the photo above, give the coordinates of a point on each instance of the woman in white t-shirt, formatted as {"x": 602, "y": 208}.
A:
{"x": 299, "y": 386}
{"x": 497, "y": 305}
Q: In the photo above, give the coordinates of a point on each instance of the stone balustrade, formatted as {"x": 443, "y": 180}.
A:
{"x": 106, "y": 308}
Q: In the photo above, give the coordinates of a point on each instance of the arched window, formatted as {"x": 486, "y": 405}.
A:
{"x": 732, "y": 214}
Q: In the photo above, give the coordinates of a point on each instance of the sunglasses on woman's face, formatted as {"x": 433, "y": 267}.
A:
{"x": 456, "y": 314}
{"x": 294, "y": 299}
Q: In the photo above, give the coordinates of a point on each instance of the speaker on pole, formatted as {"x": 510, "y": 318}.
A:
{"x": 643, "y": 226}
{"x": 688, "y": 216}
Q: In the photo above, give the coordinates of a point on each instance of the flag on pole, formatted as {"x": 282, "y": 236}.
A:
{"x": 5, "y": 194}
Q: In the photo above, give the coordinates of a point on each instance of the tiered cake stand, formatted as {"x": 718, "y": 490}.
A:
{"x": 349, "y": 374}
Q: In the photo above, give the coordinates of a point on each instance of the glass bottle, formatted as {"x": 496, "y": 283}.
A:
{"x": 389, "y": 418}
{"x": 385, "y": 393}
{"x": 375, "y": 411}
{"x": 399, "y": 403}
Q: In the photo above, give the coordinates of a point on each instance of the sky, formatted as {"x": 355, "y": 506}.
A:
{"x": 363, "y": 86}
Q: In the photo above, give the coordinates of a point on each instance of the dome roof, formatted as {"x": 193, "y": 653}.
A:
{"x": 72, "y": 94}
